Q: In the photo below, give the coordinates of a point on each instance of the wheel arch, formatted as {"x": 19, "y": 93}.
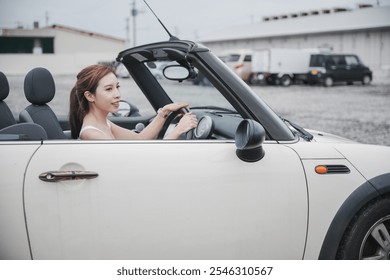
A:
{"x": 285, "y": 74}
{"x": 367, "y": 192}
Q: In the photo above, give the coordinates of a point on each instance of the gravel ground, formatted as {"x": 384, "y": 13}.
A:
{"x": 360, "y": 113}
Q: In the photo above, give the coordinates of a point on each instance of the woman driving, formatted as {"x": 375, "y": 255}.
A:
{"x": 96, "y": 94}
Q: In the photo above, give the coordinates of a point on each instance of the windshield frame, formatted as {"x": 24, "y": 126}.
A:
{"x": 236, "y": 91}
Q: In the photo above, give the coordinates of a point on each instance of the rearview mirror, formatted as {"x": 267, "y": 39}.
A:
{"x": 176, "y": 72}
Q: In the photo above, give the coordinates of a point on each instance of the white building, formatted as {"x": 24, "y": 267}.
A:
{"x": 61, "y": 49}
{"x": 364, "y": 31}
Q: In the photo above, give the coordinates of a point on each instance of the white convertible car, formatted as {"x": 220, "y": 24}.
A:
{"x": 246, "y": 184}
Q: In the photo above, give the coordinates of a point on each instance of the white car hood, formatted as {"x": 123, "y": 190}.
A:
{"x": 370, "y": 160}
{"x": 320, "y": 147}
{"x": 323, "y": 137}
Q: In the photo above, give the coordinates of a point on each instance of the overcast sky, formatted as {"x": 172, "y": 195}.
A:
{"x": 187, "y": 19}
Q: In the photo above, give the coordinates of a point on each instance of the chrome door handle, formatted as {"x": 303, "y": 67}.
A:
{"x": 56, "y": 176}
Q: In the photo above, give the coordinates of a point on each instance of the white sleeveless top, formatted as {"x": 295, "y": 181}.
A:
{"x": 84, "y": 128}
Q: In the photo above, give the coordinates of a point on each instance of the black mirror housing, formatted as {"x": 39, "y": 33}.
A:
{"x": 250, "y": 136}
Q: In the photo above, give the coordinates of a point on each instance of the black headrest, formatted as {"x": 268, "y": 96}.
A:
{"x": 39, "y": 86}
{"x": 4, "y": 86}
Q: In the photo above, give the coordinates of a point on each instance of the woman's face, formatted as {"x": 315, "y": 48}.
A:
{"x": 107, "y": 94}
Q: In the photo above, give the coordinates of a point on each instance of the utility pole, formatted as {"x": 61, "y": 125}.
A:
{"x": 47, "y": 18}
{"x": 128, "y": 33}
{"x": 134, "y": 13}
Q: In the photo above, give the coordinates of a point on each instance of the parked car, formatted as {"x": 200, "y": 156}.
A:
{"x": 240, "y": 62}
{"x": 331, "y": 68}
{"x": 246, "y": 184}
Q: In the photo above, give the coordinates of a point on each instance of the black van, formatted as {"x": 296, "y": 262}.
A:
{"x": 330, "y": 68}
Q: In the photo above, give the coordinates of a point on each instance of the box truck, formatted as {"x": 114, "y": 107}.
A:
{"x": 280, "y": 66}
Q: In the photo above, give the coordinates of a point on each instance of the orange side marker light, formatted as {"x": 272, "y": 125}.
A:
{"x": 321, "y": 169}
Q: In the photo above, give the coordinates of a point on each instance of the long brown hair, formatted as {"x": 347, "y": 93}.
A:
{"x": 87, "y": 80}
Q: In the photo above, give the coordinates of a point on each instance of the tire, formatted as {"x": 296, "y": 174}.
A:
{"x": 328, "y": 82}
{"x": 286, "y": 81}
{"x": 270, "y": 81}
{"x": 368, "y": 236}
{"x": 252, "y": 79}
{"x": 366, "y": 80}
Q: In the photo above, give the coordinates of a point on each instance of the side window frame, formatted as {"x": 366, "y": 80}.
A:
{"x": 351, "y": 60}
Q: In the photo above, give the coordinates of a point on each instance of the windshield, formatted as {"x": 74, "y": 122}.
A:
{"x": 198, "y": 92}
{"x": 317, "y": 61}
{"x": 208, "y": 85}
{"x": 232, "y": 58}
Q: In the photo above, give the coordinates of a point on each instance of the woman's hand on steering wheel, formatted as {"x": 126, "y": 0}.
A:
{"x": 173, "y": 107}
{"x": 186, "y": 124}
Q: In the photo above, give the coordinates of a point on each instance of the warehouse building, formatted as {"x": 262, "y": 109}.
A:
{"x": 61, "y": 49}
{"x": 364, "y": 31}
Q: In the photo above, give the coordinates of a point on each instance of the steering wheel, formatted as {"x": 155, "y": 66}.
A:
{"x": 169, "y": 121}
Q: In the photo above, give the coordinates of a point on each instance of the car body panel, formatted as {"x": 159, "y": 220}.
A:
{"x": 324, "y": 190}
{"x": 326, "y": 195}
{"x": 15, "y": 157}
{"x": 199, "y": 202}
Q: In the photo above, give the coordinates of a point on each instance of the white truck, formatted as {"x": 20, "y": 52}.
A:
{"x": 280, "y": 66}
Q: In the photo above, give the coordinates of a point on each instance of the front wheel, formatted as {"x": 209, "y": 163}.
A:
{"x": 286, "y": 81}
{"x": 366, "y": 80}
{"x": 328, "y": 82}
{"x": 368, "y": 237}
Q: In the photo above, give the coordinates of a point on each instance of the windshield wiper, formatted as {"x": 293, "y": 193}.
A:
{"x": 300, "y": 130}
{"x": 216, "y": 109}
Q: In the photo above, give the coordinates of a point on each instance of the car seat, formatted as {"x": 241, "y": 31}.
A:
{"x": 23, "y": 131}
{"x": 10, "y": 130}
{"x": 6, "y": 116}
{"x": 39, "y": 89}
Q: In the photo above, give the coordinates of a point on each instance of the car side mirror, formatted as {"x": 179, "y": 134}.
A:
{"x": 250, "y": 136}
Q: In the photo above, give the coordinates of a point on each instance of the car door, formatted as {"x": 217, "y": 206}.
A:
{"x": 165, "y": 200}
{"x": 341, "y": 72}
{"x": 355, "y": 70}
{"x": 14, "y": 158}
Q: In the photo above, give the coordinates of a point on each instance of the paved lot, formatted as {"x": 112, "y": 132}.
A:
{"x": 360, "y": 113}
